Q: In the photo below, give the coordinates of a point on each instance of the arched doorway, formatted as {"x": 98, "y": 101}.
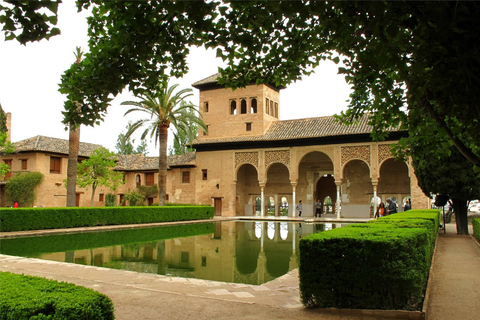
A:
{"x": 312, "y": 168}
{"x": 278, "y": 187}
{"x": 326, "y": 192}
{"x": 357, "y": 190}
{"x": 394, "y": 182}
{"x": 248, "y": 190}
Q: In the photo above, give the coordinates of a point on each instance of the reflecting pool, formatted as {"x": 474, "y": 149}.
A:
{"x": 251, "y": 252}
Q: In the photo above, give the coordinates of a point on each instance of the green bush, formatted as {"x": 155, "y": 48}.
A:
{"x": 476, "y": 228}
{"x": 21, "y": 188}
{"x": 110, "y": 200}
{"x": 19, "y": 219}
{"x": 26, "y": 297}
{"x": 379, "y": 265}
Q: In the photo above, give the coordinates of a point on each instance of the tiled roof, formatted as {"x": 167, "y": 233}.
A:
{"x": 209, "y": 80}
{"x": 141, "y": 162}
{"x": 320, "y": 127}
{"x": 53, "y": 145}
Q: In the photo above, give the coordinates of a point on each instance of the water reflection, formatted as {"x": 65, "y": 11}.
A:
{"x": 240, "y": 252}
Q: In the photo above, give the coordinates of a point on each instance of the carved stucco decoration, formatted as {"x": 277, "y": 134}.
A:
{"x": 384, "y": 153}
{"x": 282, "y": 156}
{"x": 356, "y": 152}
{"x": 246, "y": 157}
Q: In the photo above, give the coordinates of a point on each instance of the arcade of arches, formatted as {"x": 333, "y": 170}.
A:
{"x": 345, "y": 178}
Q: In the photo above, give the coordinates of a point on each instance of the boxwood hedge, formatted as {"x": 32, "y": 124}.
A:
{"x": 19, "y": 219}
{"x": 379, "y": 265}
{"x": 476, "y": 228}
{"x": 26, "y": 297}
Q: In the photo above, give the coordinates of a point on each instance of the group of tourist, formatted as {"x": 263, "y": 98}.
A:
{"x": 318, "y": 208}
{"x": 391, "y": 208}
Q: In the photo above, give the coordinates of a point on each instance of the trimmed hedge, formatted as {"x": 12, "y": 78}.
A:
{"x": 26, "y": 297}
{"x": 20, "y": 219}
{"x": 476, "y": 228}
{"x": 383, "y": 264}
{"x": 33, "y": 246}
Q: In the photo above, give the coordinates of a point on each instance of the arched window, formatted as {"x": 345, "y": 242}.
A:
{"x": 233, "y": 107}
{"x": 284, "y": 207}
{"x": 253, "y": 106}
{"x": 243, "y": 106}
{"x": 138, "y": 180}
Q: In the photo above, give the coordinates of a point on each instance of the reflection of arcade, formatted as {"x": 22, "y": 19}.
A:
{"x": 239, "y": 252}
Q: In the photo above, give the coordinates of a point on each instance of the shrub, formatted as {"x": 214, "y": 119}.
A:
{"x": 110, "y": 200}
{"x": 26, "y": 297}
{"x": 476, "y": 228}
{"x": 21, "y": 187}
{"x": 379, "y": 265}
{"x": 54, "y": 218}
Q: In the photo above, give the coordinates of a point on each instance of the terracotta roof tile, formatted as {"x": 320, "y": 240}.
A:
{"x": 53, "y": 145}
{"x": 301, "y": 129}
{"x": 141, "y": 162}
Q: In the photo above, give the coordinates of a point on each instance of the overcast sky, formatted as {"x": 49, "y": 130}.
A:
{"x": 30, "y": 75}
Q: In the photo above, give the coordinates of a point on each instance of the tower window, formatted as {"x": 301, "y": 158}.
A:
{"x": 248, "y": 126}
{"x": 271, "y": 108}
{"x": 233, "y": 107}
{"x": 55, "y": 164}
{"x": 253, "y": 105}
{"x": 276, "y": 110}
{"x": 24, "y": 164}
{"x": 204, "y": 174}
{"x": 205, "y": 106}
{"x": 243, "y": 106}
{"x": 186, "y": 177}
{"x": 267, "y": 104}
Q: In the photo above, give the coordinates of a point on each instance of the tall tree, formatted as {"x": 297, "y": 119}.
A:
{"x": 164, "y": 108}
{"x": 73, "y": 148}
{"x": 98, "y": 171}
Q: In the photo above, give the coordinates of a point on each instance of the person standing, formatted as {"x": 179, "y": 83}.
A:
{"x": 380, "y": 211}
{"x": 408, "y": 205}
{"x": 391, "y": 207}
{"x": 318, "y": 208}
{"x": 299, "y": 208}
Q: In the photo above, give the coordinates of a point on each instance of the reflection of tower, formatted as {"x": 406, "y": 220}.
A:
{"x": 262, "y": 258}
{"x": 162, "y": 264}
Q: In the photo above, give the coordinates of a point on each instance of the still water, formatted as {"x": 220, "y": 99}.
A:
{"x": 250, "y": 252}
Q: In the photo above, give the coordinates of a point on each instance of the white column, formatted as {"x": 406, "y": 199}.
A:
{"x": 339, "y": 201}
{"x": 262, "y": 200}
{"x": 294, "y": 202}
{"x": 374, "y": 197}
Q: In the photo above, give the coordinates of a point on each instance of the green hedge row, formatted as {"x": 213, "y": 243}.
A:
{"x": 34, "y": 246}
{"x": 26, "y": 297}
{"x": 19, "y": 219}
{"x": 476, "y": 228}
{"x": 383, "y": 264}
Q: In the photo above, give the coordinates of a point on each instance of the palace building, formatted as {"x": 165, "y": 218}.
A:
{"x": 251, "y": 163}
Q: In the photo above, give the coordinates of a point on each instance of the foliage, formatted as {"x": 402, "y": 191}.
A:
{"x": 125, "y": 146}
{"x": 397, "y": 54}
{"x": 110, "y": 200}
{"x": 402, "y": 247}
{"x": 134, "y": 199}
{"x": 97, "y": 171}
{"x": 147, "y": 191}
{"x": 21, "y": 188}
{"x": 28, "y": 21}
{"x": 182, "y": 139}
{"x": 164, "y": 108}
{"x": 32, "y": 246}
{"x": 451, "y": 175}
{"x": 18, "y": 219}
{"x": 27, "y": 297}
{"x": 476, "y": 228}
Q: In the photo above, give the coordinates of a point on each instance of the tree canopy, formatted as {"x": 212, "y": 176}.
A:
{"x": 399, "y": 56}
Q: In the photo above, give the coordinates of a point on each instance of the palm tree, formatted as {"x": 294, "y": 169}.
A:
{"x": 73, "y": 150}
{"x": 165, "y": 108}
